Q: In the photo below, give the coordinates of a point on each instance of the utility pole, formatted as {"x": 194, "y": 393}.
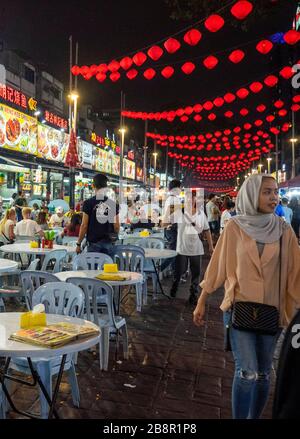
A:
{"x": 145, "y": 147}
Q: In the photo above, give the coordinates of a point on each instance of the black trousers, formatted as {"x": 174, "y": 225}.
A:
{"x": 181, "y": 265}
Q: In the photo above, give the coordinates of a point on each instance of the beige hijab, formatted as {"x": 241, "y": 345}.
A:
{"x": 262, "y": 227}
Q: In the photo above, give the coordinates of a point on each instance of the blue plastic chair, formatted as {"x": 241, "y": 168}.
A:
{"x": 100, "y": 310}
{"x": 91, "y": 261}
{"x": 31, "y": 281}
{"x": 64, "y": 299}
{"x": 132, "y": 258}
{"x": 58, "y": 257}
{"x": 149, "y": 268}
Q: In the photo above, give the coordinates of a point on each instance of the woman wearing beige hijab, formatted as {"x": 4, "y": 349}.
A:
{"x": 254, "y": 248}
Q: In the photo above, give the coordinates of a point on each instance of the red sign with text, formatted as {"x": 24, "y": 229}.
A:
{"x": 56, "y": 120}
{"x": 9, "y": 94}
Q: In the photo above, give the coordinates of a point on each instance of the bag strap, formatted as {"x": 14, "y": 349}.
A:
{"x": 280, "y": 269}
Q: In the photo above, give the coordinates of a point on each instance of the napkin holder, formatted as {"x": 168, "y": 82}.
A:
{"x": 36, "y": 317}
{"x": 110, "y": 268}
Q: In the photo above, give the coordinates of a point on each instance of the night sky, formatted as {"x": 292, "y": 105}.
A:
{"x": 110, "y": 29}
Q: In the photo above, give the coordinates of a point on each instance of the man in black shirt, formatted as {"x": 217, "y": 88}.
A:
{"x": 100, "y": 222}
{"x": 20, "y": 202}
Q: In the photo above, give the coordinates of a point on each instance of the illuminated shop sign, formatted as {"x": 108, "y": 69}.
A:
{"x": 14, "y": 96}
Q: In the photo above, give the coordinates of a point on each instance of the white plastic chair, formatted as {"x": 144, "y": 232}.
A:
{"x": 57, "y": 257}
{"x": 64, "y": 299}
{"x": 2, "y": 404}
{"x": 132, "y": 258}
{"x": 99, "y": 294}
{"x": 149, "y": 268}
{"x": 91, "y": 261}
{"x": 32, "y": 280}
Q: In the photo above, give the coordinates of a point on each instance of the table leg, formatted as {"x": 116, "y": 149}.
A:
{"x": 158, "y": 280}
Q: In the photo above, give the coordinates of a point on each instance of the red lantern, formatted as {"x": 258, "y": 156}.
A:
{"x": 279, "y": 103}
{"x": 247, "y": 126}
{"x": 229, "y": 98}
{"x": 84, "y": 70}
{"x": 139, "y": 59}
{"x": 172, "y": 45}
{"x": 184, "y": 119}
{"x": 244, "y": 112}
{"x": 219, "y": 102}
{"x": 274, "y": 130}
{"x": 180, "y": 112}
{"x": 126, "y": 63}
{"x": 241, "y": 9}
{"x": 295, "y": 107}
{"x": 113, "y": 66}
{"x": 261, "y": 108}
{"x": 93, "y": 69}
{"x": 292, "y": 37}
{"x": 208, "y": 105}
{"x": 256, "y": 87}
{"x": 214, "y": 23}
{"x": 88, "y": 76}
{"x": 271, "y": 81}
{"x": 115, "y": 76}
{"x": 212, "y": 116}
{"x": 264, "y": 47}
{"x": 270, "y": 118}
{"x": 102, "y": 68}
{"x": 242, "y": 93}
{"x": 75, "y": 70}
{"x": 296, "y": 99}
{"x": 287, "y": 72}
{"x": 167, "y": 72}
{"x": 210, "y": 62}
{"x": 198, "y": 108}
{"x": 258, "y": 123}
{"x": 192, "y": 37}
{"x": 236, "y": 56}
{"x": 155, "y": 52}
{"x": 282, "y": 112}
{"x": 228, "y": 114}
{"x": 197, "y": 118}
{"x": 101, "y": 77}
{"x": 188, "y": 68}
{"x": 131, "y": 74}
{"x": 149, "y": 74}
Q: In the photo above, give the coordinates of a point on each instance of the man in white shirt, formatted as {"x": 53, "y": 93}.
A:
{"x": 28, "y": 227}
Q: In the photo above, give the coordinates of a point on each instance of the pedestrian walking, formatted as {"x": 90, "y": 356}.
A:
{"x": 258, "y": 259}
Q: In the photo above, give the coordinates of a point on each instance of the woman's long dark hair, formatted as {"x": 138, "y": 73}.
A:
{"x": 75, "y": 221}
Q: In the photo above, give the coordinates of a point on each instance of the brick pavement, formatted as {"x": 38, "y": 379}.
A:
{"x": 175, "y": 370}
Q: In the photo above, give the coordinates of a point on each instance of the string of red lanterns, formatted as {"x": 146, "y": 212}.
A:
{"x": 255, "y": 87}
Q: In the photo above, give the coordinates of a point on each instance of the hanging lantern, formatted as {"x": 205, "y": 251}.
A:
{"x": 102, "y": 68}
{"x": 270, "y": 118}
{"x": 241, "y": 9}
{"x": 75, "y": 70}
{"x": 93, "y": 69}
{"x": 274, "y": 130}
{"x": 184, "y": 119}
{"x": 126, "y": 63}
{"x": 198, "y": 108}
{"x": 292, "y": 37}
{"x": 242, "y": 93}
{"x": 188, "y": 68}
{"x": 155, "y": 52}
{"x": 88, "y": 76}
{"x": 149, "y": 74}
{"x": 229, "y": 98}
{"x": 172, "y": 45}
{"x": 208, "y": 105}
{"x": 131, "y": 74}
{"x": 236, "y": 56}
{"x": 264, "y": 47}
{"x": 244, "y": 112}
{"x": 101, "y": 77}
{"x": 261, "y": 108}
{"x": 279, "y": 103}
{"x": 192, "y": 37}
{"x": 271, "y": 81}
{"x": 228, "y": 114}
{"x": 296, "y": 99}
{"x": 197, "y": 118}
{"x": 211, "y": 62}
{"x": 115, "y": 76}
{"x": 219, "y": 102}
{"x": 258, "y": 123}
{"x": 167, "y": 72}
{"x": 256, "y": 87}
{"x": 139, "y": 59}
{"x": 295, "y": 107}
{"x": 287, "y": 72}
{"x": 113, "y": 66}
{"x": 214, "y": 23}
{"x": 188, "y": 110}
{"x": 282, "y": 112}
{"x": 247, "y": 126}
{"x": 180, "y": 112}
{"x": 84, "y": 70}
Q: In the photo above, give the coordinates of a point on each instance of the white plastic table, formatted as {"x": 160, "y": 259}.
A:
{"x": 24, "y": 247}
{"x": 9, "y": 323}
{"x": 6, "y": 265}
{"x": 157, "y": 254}
{"x": 132, "y": 278}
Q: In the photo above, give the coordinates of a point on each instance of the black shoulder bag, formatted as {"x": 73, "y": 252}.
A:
{"x": 257, "y": 317}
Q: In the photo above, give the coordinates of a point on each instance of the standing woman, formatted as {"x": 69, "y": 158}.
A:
{"x": 252, "y": 260}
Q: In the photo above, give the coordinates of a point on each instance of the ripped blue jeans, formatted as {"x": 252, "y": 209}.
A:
{"x": 253, "y": 354}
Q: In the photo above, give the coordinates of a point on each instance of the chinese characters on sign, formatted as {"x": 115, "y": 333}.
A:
{"x": 9, "y": 94}
{"x": 105, "y": 141}
{"x": 56, "y": 120}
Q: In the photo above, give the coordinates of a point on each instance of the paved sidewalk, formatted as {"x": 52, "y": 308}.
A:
{"x": 175, "y": 370}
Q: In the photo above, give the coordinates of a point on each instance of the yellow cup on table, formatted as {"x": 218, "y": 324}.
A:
{"x": 110, "y": 268}
{"x": 144, "y": 233}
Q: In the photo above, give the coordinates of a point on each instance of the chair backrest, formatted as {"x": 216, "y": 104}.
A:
{"x": 152, "y": 243}
{"x": 98, "y": 294}
{"x": 91, "y": 261}
{"x": 129, "y": 258}
{"x": 56, "y": 256}
{"x": 60, "y": 298}
{"x": 33, "y": 265}
{"x": 32, "y": 280}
